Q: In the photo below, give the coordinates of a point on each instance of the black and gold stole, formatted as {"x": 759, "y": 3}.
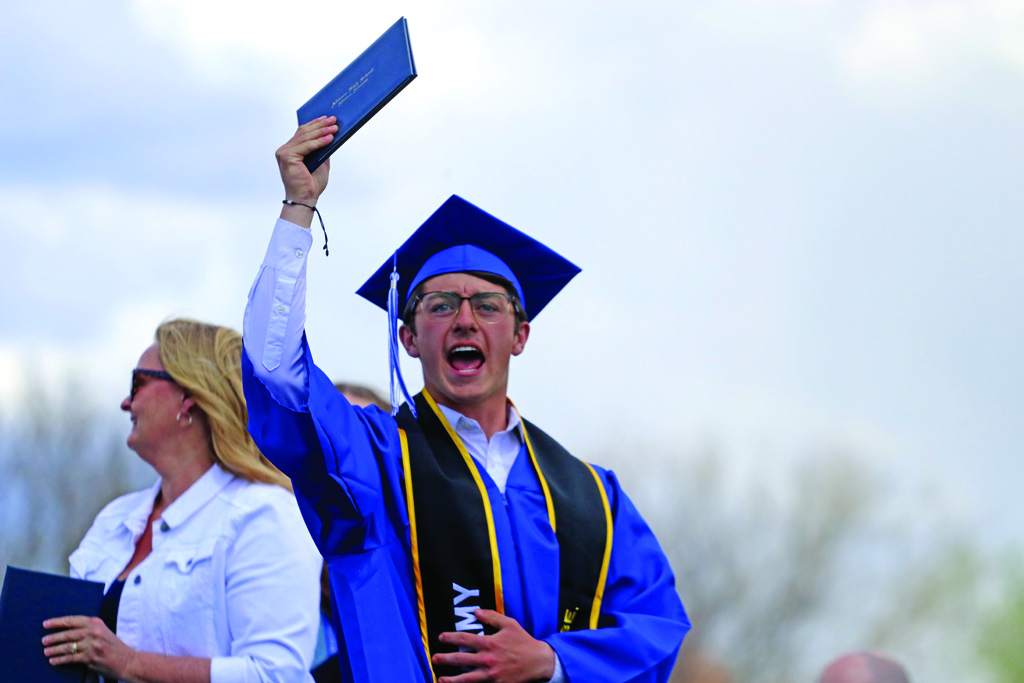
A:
{"x": 454, "y": 546}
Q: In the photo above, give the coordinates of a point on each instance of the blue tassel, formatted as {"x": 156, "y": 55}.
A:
{"x": 395, "y": 370}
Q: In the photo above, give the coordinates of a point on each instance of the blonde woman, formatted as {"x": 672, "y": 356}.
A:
{"x": 210, "y": 573}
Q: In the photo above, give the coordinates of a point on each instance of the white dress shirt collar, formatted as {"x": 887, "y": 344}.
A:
{"x": 497, "y": 454}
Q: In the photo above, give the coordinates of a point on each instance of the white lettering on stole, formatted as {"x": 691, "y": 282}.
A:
{"x": 465, "y": 613}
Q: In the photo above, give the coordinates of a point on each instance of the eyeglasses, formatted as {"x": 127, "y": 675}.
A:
{"x": 487, "y": 307}
{"x": 139, "y": 373}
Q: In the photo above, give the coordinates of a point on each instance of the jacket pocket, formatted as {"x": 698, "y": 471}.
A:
{"x": 188, "y": 576}
{"x": 187, "y": 558}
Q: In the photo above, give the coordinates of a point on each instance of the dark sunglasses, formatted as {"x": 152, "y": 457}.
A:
{"x": 139, "y": 373}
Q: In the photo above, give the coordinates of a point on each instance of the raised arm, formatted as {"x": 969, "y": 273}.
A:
{"x": 276, "y": 313}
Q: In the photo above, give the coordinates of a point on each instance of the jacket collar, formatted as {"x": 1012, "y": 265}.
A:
{"x": 196, "y": 496}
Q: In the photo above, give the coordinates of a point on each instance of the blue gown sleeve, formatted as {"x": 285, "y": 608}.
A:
{"x": 340, "y": 459}
{"x": 645, "y": 617}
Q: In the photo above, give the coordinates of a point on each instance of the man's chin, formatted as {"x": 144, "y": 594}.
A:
{"x": 459, "y": 389}
{"x": 460, "y": 396}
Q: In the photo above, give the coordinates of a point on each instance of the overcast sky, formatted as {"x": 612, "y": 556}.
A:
{"x": 799, "y": 222}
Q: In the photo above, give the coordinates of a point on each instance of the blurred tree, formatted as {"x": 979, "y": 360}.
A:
{"x": 61, "y": 461}
{"x": 932, "y": 601}
{"x": 1001, "y": 636}
{"x": 779, "y": 574}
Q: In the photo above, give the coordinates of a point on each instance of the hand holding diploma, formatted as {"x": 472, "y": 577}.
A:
{"x": 300, "y": 185}
{"x": 87, "y": 640}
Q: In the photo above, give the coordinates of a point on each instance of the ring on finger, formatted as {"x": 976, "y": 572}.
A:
{"x": 74, "y": 648}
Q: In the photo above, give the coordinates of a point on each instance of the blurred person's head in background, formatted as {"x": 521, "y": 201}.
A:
{"x": 362, "y": 396}
{"x": 864, "y": 667}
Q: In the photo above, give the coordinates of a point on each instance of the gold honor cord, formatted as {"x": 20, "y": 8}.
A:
{"x": 540, "y": 475}
{"x": 595, "y": 610}
{"x": 499, "y": 599}
{"x": 414, "y": 542}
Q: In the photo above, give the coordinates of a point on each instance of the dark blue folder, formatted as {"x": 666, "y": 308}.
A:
{"x": 362, "y": 89}
{"x": 28, "y": 599}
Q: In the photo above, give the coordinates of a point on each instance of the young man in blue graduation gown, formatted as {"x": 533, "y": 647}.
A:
{"x": 463, "y": 543}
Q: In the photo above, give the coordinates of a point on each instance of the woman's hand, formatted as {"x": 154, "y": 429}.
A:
{"x": 87, "y": 640}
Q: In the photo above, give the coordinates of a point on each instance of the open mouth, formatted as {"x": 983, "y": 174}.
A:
{"x": 465, "y": 358}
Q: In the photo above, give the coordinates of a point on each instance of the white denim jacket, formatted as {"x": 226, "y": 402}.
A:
{"x": 233, "y": 576}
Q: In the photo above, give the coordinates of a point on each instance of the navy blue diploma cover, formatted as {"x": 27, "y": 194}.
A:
{"x": 28, "y": 599}
{"x": 362, "y": 88}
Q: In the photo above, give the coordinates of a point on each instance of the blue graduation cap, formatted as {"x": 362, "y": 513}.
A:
{"x": 462, "y": 237}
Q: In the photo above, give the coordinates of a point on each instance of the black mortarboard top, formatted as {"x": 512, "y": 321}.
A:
{"x": 462, "y": 237}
